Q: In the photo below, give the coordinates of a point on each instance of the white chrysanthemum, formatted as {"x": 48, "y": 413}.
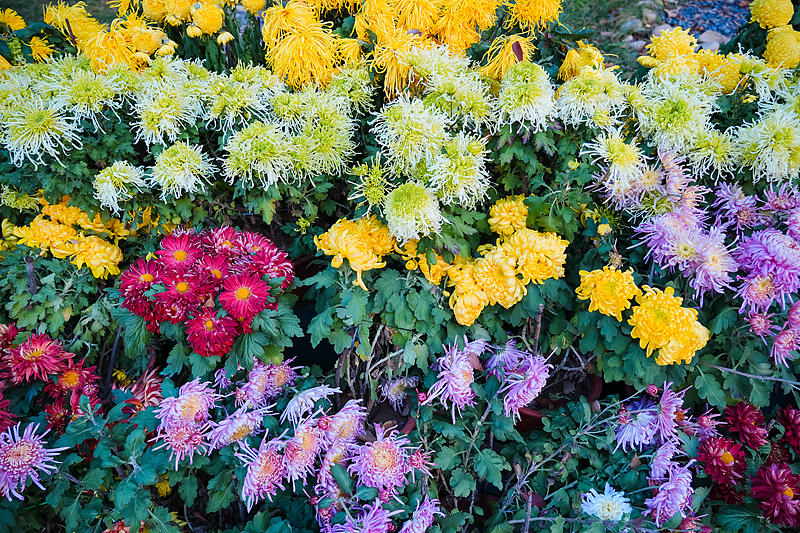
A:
{"x": 163, "y": 111}
{"x": 464, "y": 96}
{"x": 181, "y": 168}
{"x": 624, "y": 161}
{"x": 327, "y": 124}
{"x": 713, "y": 153}
{"x": 355, "y": 84}
{"x": 425, "y": 62}
{"x": 410, "y": 133}
{"x": 411, "y": 212}
{"x": 526, "y": 97}
{"x": 676, "y": 110}
{"x": 303, "y": 402}
{"x": 594, "y": 97}
{"x": 15, "y": 85}
{"x": 87, "y": 94}
{"x": 262, "y": 150}
{"x": 770, "y": 147}
{"x": 459, "y": 173}
{"x": 169, "y": 69}
{"x": 258, "y": 75}
{"x": 114, "y": 184}
{"x": 34, "y": 126}
{"x": 765, "y": 79}
{"x": 610, "y": 505}
{"x": 230, "y": 103}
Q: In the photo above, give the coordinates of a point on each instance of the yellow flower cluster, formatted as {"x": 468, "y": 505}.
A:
{"x": 660, "y": 323}
{"x": 362, "y": 242}
{"x": 608, "y": 290}
{"x": 508, "y": 215}
{"x": 54, "y": 230}
{"x": 432, "y": 272}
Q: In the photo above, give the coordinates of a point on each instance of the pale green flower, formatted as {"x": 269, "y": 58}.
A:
{"x": 355, "y": 84}
{"x": 411, "y": 212}
{"x": 458, "y": 175}
{"x": 115, "y": 184}
{"x": 594, "y": 92}
{"x": 770, "y": 146}
{"x": 164, "y": 110}
{"x": 623, "y": 161}
{"x": 230, "y": 103}
{"x": 462, "y": 95}
{"x": 260, "y": 150}
{"x": 33, "y": 126}
{"x": 713, "y": 153}
{"x": 181, "y": 168}
{"x": 372, "y": 185}
{"x": 87, "y": 94}
{"x": 526, "y": 97}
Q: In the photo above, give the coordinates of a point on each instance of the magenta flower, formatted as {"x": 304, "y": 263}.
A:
{"x": 265, "y": 471}
{"x": 761, "y": 324}
{"x": 382, "y": 464}
{"x": 22, "y": 457}
{"x": 771, "y": 253}
{"x": 375, "y": 519}
{"x": 301, "y": 450}
{"x": 266, "y": 381}
{"x": 183, "y": 438}
{"x": 455, "y": 377}
{"x": 785, "y": 199}
{"x": 523, "y": 386}
{"x": 758, "y": 292}
{"x": 423, "y": 516}
{"x": 346, "y": 425}
{"x": 637, "y": 424}
{"x": 786, "y": 342}
{"x": 420, "y": 460}
{"x": 793, "y": 223}
{"x": 236, "y": 427}
{"x": 674, "y": 495}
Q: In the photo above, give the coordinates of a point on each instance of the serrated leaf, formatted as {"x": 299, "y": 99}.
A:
{"x": 188, "y": 490}
{"x": 447, "y": 458}
{"x": 342, "y": 478}
{"x": 490, "y": 465}
{"x": 709, "y": 389}
{"x": 462, "y": 482}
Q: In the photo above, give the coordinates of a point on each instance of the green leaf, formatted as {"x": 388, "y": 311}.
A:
{"x": 738, "y": 518}
{"x": 709, "y": 389}
{"x": 366, "y": 494}
{"x": 93, "y": 479}
{"x": 160, "y": 521}
{"x": 558, "y": 525}
{"x": 724, "y": 320}
{"x": 490, "y": 465}
{"x": 222, "y": 490}
{"x": 188, "y": 490}
{"x": 447, "y": 458}
{"x": 342, "y": 478}
{"x": 462, "y": 482}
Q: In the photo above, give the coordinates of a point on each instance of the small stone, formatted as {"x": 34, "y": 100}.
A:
{"x": 649, "y": 16}
{"x": 710, "y": 45}
{"x": 631, "y": 26}
{"x": 663, "y": 27}
{"x": 628, "y": 39}
{"x": 712, "y": 36}
{"x": 638, "y": 45}
{"x": 606, "y": 33}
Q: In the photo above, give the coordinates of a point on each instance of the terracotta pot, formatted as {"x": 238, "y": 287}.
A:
{"x": 530, "y": 419}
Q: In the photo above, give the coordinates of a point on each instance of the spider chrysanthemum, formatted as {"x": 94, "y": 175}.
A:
{"x": 118, "y": 183}
{"x": 24, "y": 456}
{"x": 181, "y": 168}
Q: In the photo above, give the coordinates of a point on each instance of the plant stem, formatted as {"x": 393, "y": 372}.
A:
{"x": 475, "y": 433}
{"x": 793, "y": 384}
{"x": 538, "y": 330}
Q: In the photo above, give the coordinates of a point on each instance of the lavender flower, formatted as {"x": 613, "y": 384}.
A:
{"x": 303, "y": 402}
{"x": 662, "y": 462}
{"x": 785, "y": 199}
{"x": 506, "y": 358}
{"x": 265, "y": 471}
{"x": 771, "y": 253}
{"x": 638, "y": 423}
{"x": 786, "y": 342}
{"x": 674, "y": 495}
{"x": 737, "y": 209}
{"x": 382, "y": 464}
{"x": 22, "y": 457}
{"x": 394, "y": 390}
{"x": 375, "y": 520}
{"x": 522, "y": 387}
{"x": 455, "y": 378}
{"x": 423, "y": 516}
{"x": 667, "y": 408}
{"x": 236, "y": 427}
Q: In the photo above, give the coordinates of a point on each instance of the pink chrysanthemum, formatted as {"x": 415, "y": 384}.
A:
{"x": 266, "y": 381}
{"x": 183, "y": 438}
{"x": 220, "y": 241}
{"x": 7, "y": 334}
{"x": 269, "y": 261}
{"x": 211, "y": 335}
{"x": 179, "y": 252}
{"x": 505, "y": 359}
{"x": 423, "y": 516}
{"x": 193, "y": 403}
{"x": 382, "y": 464}
{"x": 724, "y": 459}
{"x": 789, "y": 418}
{"x": 134, "y": 282}
{"x": 662, "y": 462}
{"x": 420, "y": 460}
{"x": 346, "y": 425}
{"x": 761, "y": 324}
{"x": 744, "y": 419}
{"x": 301, "y": 450}
{"x": 22, "y": 457}
{"x": 303, "y": 402}
{"x": 248, "y": 243}
{"x": 376, "y": 519}
{"x": 173, "y": 312}
{"x": 182, "y": 289}
{"x": 37, "y": 357}
{"x": 6, "y": 416}
{"x": 786, "y": 342}
{"x": 455, "y": 377}
{"x": 779, "y": 491}
{"x": 265, "y": 471}
{"x": 57, "y": 416}
{"x": 673, "y": 495}
{"x": 244, "y": 296}
{"x": 524, "y": 385}
{"x": 793, "y": 315}
{"x": 73, "y": 378}
{"x": 667, "y": 408}
{"x": 236, "y": 427}
{"x": 394, "y": 390}
{"x": 337, "y": 454}
{"x": 214, "y": 269}
{"x": 147, "y": 389}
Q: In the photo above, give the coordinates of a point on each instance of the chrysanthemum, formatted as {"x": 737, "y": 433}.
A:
{"x": 193, "y": 403}
{"x": 770, "y": 146}
{"x": 495, "y": 273}
{"x": 303, "y": 403}
{"x": 34, "y": 127}
{"x": 100, "y": 256}
{"x": 345, "y": 426}
{"x": 524, "y": 384}
{"x": 458, "y": 175}
{"x": 394, "y": 390}
{"x": 789, "y": 418}
{"x": 663, "y": 460}
{"x": 179, "y": 252}
{"x": 610, "y": 505}
{"x": 776, "y": 486}
{"x": 508, "y": 215}
{"x": 771, "y": 253}
{"x": 423, "y": 516}
{"x": 37, "y": 357}
{"x": 533, "y": 14}
{"x": 771, "y": 13}
{"x": 593, "y": 97}
{"x": 748, "y": 422}
{"x": 6, "y": 416}
{"x": 266, "y": 381}
{"x": 22, "y": 457}
{"x": 412, "y": 211}
{"x": 382, "y": 464}
{"x": 455, "y": 377}
{"x": 260, "y": 150}
{"x": 265, "y": 471}
{"x": 181, "y": 168}
{"x": 538, "y": 256}
{"x": 526, "y": 97}
{"x": 673, "y": 495}
{"x": 71, "y": 379}
{"x": 164, "y": 110}
{"x": 502, "y": 54}
{"x": 244, "y": 296}
{"x": 10, "y": 21}
{"x": 242, "y": 423}
{"x": 183, "y": 438}
{"x": 786, "y": 342}
{"x": 302, "y": 449}
{"x": 115, "y": 183}
{"x": 210, "y": 335}
{"x": 637, "y": 424}
{"x": 609, "y": 291}
{"x": 372, "y": 519}
{"x": 672, "y": 42}
{"x": 624, "y": 162}
{"x": 724, "y": 459}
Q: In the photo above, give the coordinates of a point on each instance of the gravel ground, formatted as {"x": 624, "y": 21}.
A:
{"x": 723, "y": 16}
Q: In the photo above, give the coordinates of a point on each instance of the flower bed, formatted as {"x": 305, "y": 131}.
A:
{"x": 395, "y": 266}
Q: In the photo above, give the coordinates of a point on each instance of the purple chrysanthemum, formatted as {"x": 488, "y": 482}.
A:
{"x": 192, "y": 404}
{"x": 236, "y": 427}
{"x": 420, "y": 460}
{"x": 637, "y": 425}
{"x": 303, "y": 402}
{"x": 523, "y": 386}
{"x": 674, "y": 495}
{"x": 786, "y": 342}
{"x": 22, "y": 457}
{"x": 737, "y": 209}
{"x": 455, "y": 377}
{"x": 507, "y": 358}
{"x": 221, "y": 379}
{"x": 301, "y": 450}
{"x": 793, "y": 223}
{"x": 394, "y": 390}
{"x": 376, "y": 519}
{"x": 713, "y": 265}
{"x": 761, "y": 324}
{"x": 423, "y": 516}
{"x": 183, "y": 438}
{"x": 346, "y": 425}
{"x": 667, "y": 408}
{"x": 382, "y": 464}
{"x": 265, "y": 471}
{"x": 771, "y": 253}
{"x": 784, "y": 200}
{"x": 662, "y": 462}
{"x": 266, "y": 381}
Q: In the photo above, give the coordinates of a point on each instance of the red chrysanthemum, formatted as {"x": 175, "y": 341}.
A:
{"x": 220, "y": 241}
{"x": 244, "y": 296}
{"x": 210, "y": 335}
{"x": 214, "y": 269}
{"x": 268, "y": 261}
{"x": 744, "y": 419}
{"x": 6, "y": 416}
{"x": 36, "y": 358}
{"x": 183, "y": 290}
{"x": 172, "y": 312}
{"x": 724, "y": 459}
{"x": 778, "y": 490}
{"x": 7, "y": 334}
{"x": 789, "y": 418}
{"x": 727, "y": 494}
{"x": 134, "y": 282}
{"x": 72, "y": 378}
{"x": 248, "y": 243}
{"x": 179, "y": 252}
{"x": 778, "y": 453}
{"x": 57, "y": 416}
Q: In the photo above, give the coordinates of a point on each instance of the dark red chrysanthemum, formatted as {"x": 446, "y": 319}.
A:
{"x": 183, "y": 290}
{"x": 179, "y": 252}
{"x": 778, "y": 453}
{"x": 272, "y": 262}
{"x": 134, "y": 282}
{"x": 172, "y": 312}
{"x": 214, "y": 269}
{"x": 220, "y": 241}
{"x": 57, "y": 416}
{"x": 744, "y": 419}
{"x": 727, "y": 494}
{"x": 210, "y": 335}
{"x": 37, "y": 357}
{"x": 789, "y": 418}
{"x": 7, "y": 334}
{"x": 72, "y": 378}
{"x": 244, "y": 296}
{"x": 6, "y": 416}
{"x": 247, "y": 243}
{"x": 778, "y": 490}
{"x": 724, "y": 459}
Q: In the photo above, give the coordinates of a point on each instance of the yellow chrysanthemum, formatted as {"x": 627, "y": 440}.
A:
{"x": 771, "y": 13}
{"x": 154, "y": 10}
{"x": 418, "y": 15}
{"x": 343, "y": 241}
{"x": 40, "y": 48}
{"x": 163, "y": 488}
{"x": 10, "y": 20}
{"x": 100, "y": 256}
{"x": 783, "y": 48}
{"x": 433, "y": 273}
{"x": 728, "y": 74}
{"x": 502, "y": 54}
{"x": 674, "y": 42}
{"x": 350, "y": 51}
{"x": 44, "y": 234}
{"x": 709, "y": 61}
{"x": 178, "y": 11}
{"x": 64, "y": 213}
{"x": 538, "y": 256}
{"x": 508, "y": 215}
{"x": 532, "y": 14}
{"x": 392, "y": 45}
{"x": 81, "y": 24}
{"x": 376, "y": 235}
{"x": 660, "y": 322}
{"x": 254, "y": 6}
{"x": 467, "y": 299}
{"x": 608, "y": 290}
{"x": 496, "y": 275}
{"x": 585, "y": 55}
{"x": 676, "y": 66}
{"x": 208, "y": 17}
